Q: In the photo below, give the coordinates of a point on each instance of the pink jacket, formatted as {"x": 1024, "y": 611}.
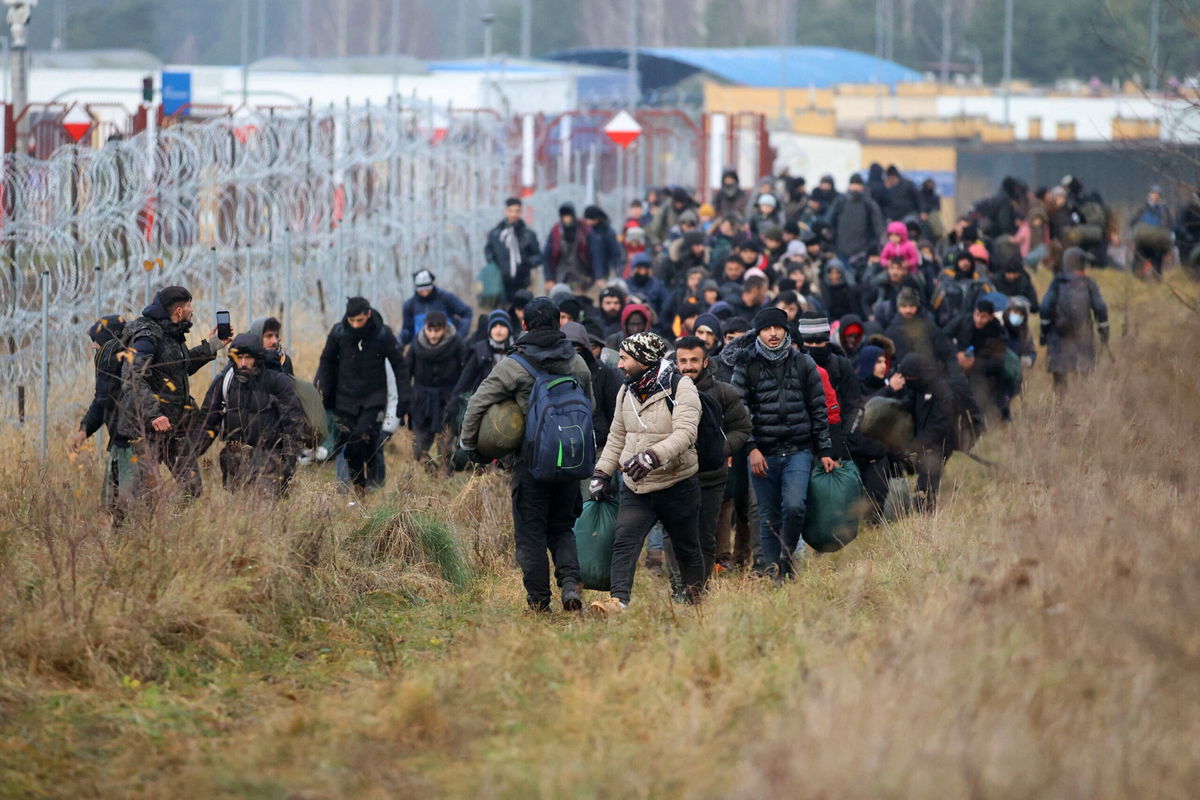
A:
{"x": 905, "y": 249}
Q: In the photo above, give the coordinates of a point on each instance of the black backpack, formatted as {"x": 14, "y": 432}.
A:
{"x": 710, "y": 433}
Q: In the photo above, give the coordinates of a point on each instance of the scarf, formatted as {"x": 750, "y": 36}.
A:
{"x": 653, "y": 380}
{"x": 509, "y": 238}
{"x": 777, "y": 354}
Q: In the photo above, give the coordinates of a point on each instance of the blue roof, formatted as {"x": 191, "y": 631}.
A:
{"x": 818, "y": 67}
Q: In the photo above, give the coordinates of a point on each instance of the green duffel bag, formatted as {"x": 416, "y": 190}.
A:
{"x": 1152, "y": 238}
{"x": 489, "y": 286}
{"x": 1010, "y": 373}
{"x": 595, "y": 531}
{"x": 886, "y": 420}
{"x": 1083, "y": 235}
{"x": 834, "y": 508}
{"x": 314, "y": 410}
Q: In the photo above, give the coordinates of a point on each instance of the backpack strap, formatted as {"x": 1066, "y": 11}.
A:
{"x": 527, "y": 364}
{"x": 538, "y": 374}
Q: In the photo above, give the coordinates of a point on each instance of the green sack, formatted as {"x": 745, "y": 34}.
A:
{"x": 886, "y": 420}
{"x": 314, "y": 410}
{"x": 459, "y": 460}
{"x": 1010, "y": 374}
{"x": 489, "y": 286}
{"x": 594, "y": 533}
{"x": 901, "y": 501}
{"x": 833, "y": 512}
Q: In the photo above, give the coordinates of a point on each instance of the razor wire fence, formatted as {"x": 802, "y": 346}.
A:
{"x": 261, "y": 214}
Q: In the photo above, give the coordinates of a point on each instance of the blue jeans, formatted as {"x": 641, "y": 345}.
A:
{"x": 782, "y": 494}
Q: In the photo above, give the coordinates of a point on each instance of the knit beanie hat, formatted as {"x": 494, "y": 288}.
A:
{"x": 814, "y": 327}
{"x": 646, "y": 347}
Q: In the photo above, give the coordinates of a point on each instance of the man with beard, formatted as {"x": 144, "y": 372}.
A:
{"x": 157, "y": 410}
{"x": 786, "y": 399}
{"x": 691, "y": 358}
{"x": 612, "y": 301}
{"x": 513, "y": 247}
{"x": 544, "y": 512}
{"x": 256, "y": 412}
{"x": 730, "y": 199}
{"x": 353, "y": 385}
{"x": 653, "y": 441}
{"x": 435, "y": 361}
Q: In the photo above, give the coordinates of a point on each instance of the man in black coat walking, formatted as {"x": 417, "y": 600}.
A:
{"x": 353, "y": 384}
{"x": 514, "y": 248}
{"x": 105, "y": 334}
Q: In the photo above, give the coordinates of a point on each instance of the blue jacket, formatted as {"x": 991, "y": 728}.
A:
{"x": 416, "y": 307}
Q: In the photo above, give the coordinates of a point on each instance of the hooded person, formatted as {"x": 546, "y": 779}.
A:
{"x": 900, "y": 246}
{"x": 935, "y": 411}
{"x": 156, "y": 410}
{"x": 913, "y": 331}
{"x": 856, "y": 221}
{"x": 269, "y": 332}
{"x": 668, "y": 216}
{"x": 255, "y": 412}
{"x": 544, "y": 512}
{"x": 353, "y": 383}
{"x": 871, "y": 368}
{"x": 604, "y": 249}
{"x": 850, "y": 334}
{"x": 1012, "y": 280}
{"x": 480, "y": 359}
{"x": 643, "y": 285}
{"x": 567, "y": 258}
{"x": 435, "y": 361}
{"x": 1018, "y": 330}
{"x": 606, "y": 381}
{"x": 730, "y": 198}
{"x": 1069, "y": 307}
{"x": 429, "y": 297}
{"x": 636, "y": 318}
{"x": 105, "y": 334}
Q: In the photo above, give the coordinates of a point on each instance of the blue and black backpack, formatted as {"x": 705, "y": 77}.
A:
{"x": 559, "y": 441}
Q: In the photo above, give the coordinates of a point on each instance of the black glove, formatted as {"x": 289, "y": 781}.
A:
{"x": 600, "y": 486}
{"x": 640, "y": 465}
{"x": 473, "y": 455}
{"x": 1103, "y": 330}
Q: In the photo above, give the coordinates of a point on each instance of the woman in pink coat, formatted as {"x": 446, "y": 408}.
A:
{"x": 898, "y": 244}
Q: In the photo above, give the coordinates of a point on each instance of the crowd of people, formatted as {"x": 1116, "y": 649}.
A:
{"x": 725, "y": 348}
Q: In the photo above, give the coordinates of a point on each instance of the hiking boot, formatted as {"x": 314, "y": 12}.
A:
{"x": 572, "y": 600}
{"x": 539, "y": 606}
{"x": 608, "y": 608}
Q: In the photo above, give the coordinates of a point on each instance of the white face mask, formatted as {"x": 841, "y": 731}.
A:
{"x": 1016, "y": 320}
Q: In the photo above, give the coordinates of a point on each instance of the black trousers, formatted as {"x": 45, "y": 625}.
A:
{"x": 360, "y": 438}
{"x": 875, "y": 476}
{"x": 544, "y": 517}
{"x": 711, "y": 500}
{"x": 678, "y": 508}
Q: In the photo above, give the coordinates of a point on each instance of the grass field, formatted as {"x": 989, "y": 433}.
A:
{"x": 1037, "y": 637}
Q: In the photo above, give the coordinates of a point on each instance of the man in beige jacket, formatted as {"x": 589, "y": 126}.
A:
{"x": 653, "y": 441}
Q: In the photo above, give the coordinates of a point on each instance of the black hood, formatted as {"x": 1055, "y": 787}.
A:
{"x": 740, "y": 350}
{"x": 918, "y": 370}
{"x": 544, "y": 345}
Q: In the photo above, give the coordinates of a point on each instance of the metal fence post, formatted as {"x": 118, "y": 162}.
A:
{"x": 44, "y": 411}
{"x": 216, "y": 301}
{"x": 99, "y": 312}
{"x": 249, "y": 287}
{"x": 287, "y": 280}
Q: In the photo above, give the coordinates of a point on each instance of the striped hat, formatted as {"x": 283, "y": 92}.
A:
{"x": 814, "y": 327}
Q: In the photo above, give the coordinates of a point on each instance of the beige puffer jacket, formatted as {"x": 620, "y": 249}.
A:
{"x": 652, "y": 426}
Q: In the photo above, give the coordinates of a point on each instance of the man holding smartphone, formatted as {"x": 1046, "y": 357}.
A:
{"x": 157, "y": 409}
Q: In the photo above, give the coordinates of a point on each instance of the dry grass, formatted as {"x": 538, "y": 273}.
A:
{"x": 1035, "y": 638}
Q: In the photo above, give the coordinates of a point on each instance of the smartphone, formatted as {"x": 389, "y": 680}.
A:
{"x": 224, "y": 329}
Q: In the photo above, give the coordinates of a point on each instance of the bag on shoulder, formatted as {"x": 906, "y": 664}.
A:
{"x": 710, "y": 433}
{"x": 559, "y": 442}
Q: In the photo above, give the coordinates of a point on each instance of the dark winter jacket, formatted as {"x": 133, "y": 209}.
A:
{"x": 259, "y": 408}
{"x": 606, "y": 384}
{"x": 1068, "y": 309}
{"x": 988, "y": 344}
{"x": 481, "y": 358}
{"x": 555, "y": 257}
{"x": 604, "y": 250}
{"x": 849, "y": 394}
{"x": 417, "y": 307}
{"x": 737, "y": 424}
{"x": 857, "y": 223}
{"x": 1021, "y": 287}
{"x": 650, "y": 291}
{"x": 920, "y": 335}
{"x": 931, "y": 401}
{"x": 105, "y": 399}
{"x": 516, "y": 276}
{"x": 548, "y": 350}
{"x": 786, "y": 399}
{"x": 434, "y": 370}
{"x": 901, "y": 201}
{"x": 155, "y": 382}
{"x": 351, "y": 375}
